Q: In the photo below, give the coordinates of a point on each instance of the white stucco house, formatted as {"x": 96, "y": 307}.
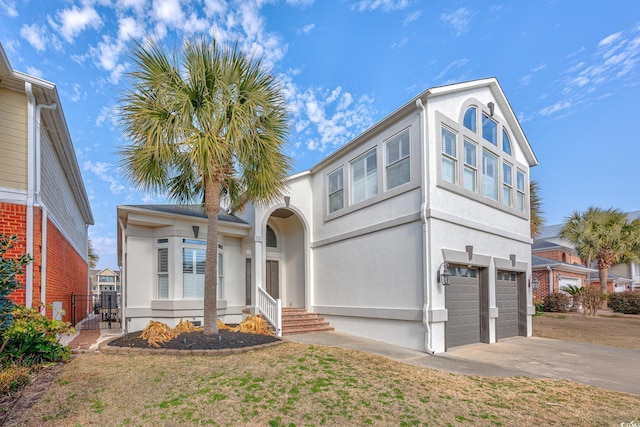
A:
{"x": 436, "y": 192}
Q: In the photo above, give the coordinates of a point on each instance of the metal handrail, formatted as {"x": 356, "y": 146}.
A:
{"x": 271, "y": 309}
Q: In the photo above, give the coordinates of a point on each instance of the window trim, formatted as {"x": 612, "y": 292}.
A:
{"x": 407, "y": 158}
{"x": 162, "y": 246}
{"x": 363, "y": 157}
{"x": 506, "y": 184}
{"x": 329, "y": 193}
{"x": 446, "y": 156}
{"x": 443, "y": 120}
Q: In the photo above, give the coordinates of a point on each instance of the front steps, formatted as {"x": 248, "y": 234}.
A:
{"x": 300, "y": 321}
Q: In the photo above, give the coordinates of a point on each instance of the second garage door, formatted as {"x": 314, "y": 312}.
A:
{"x": 507, "y": 303}
{"x": 462, "y": 299}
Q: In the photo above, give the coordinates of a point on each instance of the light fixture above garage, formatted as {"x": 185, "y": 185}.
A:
{"x": 444, "y": 277}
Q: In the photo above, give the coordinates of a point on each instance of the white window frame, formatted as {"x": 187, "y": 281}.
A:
{"x": 403, "y": 141}
{"x": 338, "y": 190}
{"x": 369, "y": 179}
{"x": 470, "y": 170}
{"x": 162, "y": 245}
{"x": 507, "y": 184}
{"x": 195, "y": 246}
{"x": 521, "y": 191}
{"x": 490, "y": 179}
{"x": 449, "y": 158}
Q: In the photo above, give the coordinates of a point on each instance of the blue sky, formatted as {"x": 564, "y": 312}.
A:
{"x": 570, "y": 70}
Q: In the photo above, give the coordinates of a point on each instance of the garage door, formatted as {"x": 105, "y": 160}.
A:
{"x": 462, "y": 299}
{"x": 507, "y": 303}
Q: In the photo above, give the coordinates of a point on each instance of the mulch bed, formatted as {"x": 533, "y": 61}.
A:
{"x": 198, "y": 341}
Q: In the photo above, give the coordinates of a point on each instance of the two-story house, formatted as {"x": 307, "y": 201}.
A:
{"x": 414, "y": 233}
{"x": 42, "y": 196}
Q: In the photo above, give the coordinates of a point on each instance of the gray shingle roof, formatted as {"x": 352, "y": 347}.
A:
{"x": 190, "y": 210}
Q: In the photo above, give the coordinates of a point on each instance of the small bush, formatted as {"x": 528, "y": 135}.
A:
{"x": 625, "y": 302}
{"x": 557, "y": 302}
{"x": 538, "y": 304}
{"x": 9, "y": 269}
{"x": 13, "y": 378}
{"x": 33, "y": 338}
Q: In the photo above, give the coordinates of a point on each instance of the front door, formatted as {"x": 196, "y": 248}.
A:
{"x": 273, "y": 279}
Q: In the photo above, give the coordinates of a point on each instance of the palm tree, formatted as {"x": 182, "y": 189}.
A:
{"x": 92, "y": 255}
{"x": 535, "y": 208}
{"x": 606, "y": 235}
{"x": 206, "y": 122}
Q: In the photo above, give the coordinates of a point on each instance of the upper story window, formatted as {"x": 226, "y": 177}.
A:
{"x": 506, "y": 143}
{"x": 489, "y": 129}
{"x": 272, "y": 239}
{"x": 336, "y": 190}
{"x": 449, "y": 155}
{"x": 470, "y": 165}
{"x": 489, "y": 175}
{"x": 398, "y": 160}
{"x": 507, "y": 184}
{"x": 470, "y": 119}
{"x": 520, "y": 178}
{"x": 364, "y": 177}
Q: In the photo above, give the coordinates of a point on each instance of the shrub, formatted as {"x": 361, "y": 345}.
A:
{"x": 33, "y": 338}
{"x": 538, "y": 304}
{"x": 13, "y": 378}
{"x": 9, "y": 269}
{"x": 558, "y": 302}
{"x": 625, "y": 302}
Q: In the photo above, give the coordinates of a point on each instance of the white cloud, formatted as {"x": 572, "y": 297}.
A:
{"x": 609, "y": 39}
{"x": 9, "y": 7}
{"x": 458, "y": 63}
{"x": 169, "y": 12}
{"x": 215, "y": 7}
{"x": 307, "y": 28}
{"x": 459, "y": 19}
{"x": 75, "y": 20}
{"x": 412, "y": 17}
{"x": 558, "y": 106}
{"x": 105, "y": 171}
{"x": 104, "y": 245}
{"x": 385, "y": 5}
{"x": 35, "y": 35}
{"x": 129, "y": 28}
{"x": 36, "y": 72}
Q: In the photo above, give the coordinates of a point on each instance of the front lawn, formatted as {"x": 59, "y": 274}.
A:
{"x": 302, "y": 385}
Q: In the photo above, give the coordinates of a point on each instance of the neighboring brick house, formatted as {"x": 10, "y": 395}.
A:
{"x": 556, "y": 264}
{"x": 42, "y": 196}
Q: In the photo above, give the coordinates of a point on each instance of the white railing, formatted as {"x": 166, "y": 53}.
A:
{"x": 271, "y": 309}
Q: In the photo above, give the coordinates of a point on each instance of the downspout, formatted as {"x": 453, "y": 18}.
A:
{"x": 426, "y": 223}
{"x": 124, "y": 321}
{"x": 38, "y": 202}
{"x": 550, "y": 279}
{"x": 31, "y": 160}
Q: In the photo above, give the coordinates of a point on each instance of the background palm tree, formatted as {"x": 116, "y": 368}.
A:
{"x": 92, "y": 255}
{"x": 536, "y": 219}
{"x": 204, "y": 122}
{"x": 606, "y": 235}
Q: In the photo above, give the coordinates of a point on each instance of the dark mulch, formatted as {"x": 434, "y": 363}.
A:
{"x": 198, "y": 341}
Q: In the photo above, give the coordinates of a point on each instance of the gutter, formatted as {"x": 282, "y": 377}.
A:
{"x": 31, "y": 160}
{"x": 426, "y": 226}
{"x": 550, "y": 279}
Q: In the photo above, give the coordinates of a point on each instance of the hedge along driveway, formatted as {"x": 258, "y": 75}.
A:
{"x": 301, "y": 384}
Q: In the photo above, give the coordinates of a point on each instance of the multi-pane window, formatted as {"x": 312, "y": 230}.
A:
{"x": 272, "y": 239}
{"x": 449, "y": 155}
{"x": 163, "y": 273}
{"x": 490, "y": 175}
{"x": 336, "y": 190}
{"x": 470, "y": 165}
{"x": 398, "y": 160}
{"x": 469, "y": 120}
{"x": 507, "y": 184}
{"x": 220, "y": 284}
{"x": 193, "y": 268}
{"x": 489, "y": 129}
{"x": 364, "y": 177}
{"x": 520, "y": 191}
{"x": 506, "y": 144}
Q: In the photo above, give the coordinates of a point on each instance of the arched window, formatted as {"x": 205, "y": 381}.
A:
{"x": 470, "y": 119}
{"x": 272, "y": 239}
{"x": 506, "y": 144}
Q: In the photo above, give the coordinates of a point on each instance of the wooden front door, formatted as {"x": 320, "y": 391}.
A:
{"x": 273, "y": 278}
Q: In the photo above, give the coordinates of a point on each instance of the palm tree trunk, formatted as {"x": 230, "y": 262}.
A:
{"x": 603, "y": 274}
{"x": 212, "y": 204}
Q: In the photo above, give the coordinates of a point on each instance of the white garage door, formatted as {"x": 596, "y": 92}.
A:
{"x": 507, "y": 303}
{"x": 462, "y": 299}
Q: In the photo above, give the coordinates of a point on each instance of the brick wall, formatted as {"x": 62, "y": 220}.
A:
{"x": 67, "y": 272}
{"x": 13, "y": 221}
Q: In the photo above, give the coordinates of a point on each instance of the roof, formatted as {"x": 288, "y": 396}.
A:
{"x": 610, "y": 277}
{"x": 545, "y": 245}
{"x": 542, "y": 262}
{"x": 46, "y": 93}
{"x": 550, "y": 231}
{"x": 491, "y": 83}
{"x": 188, "y": 210}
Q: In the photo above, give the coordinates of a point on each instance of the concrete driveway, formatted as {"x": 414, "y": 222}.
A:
{"x": 611, "y": 368}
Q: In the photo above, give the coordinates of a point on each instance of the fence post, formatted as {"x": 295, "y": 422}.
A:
{"x": 73, "y": 309}
{"x": 109, "y": 311}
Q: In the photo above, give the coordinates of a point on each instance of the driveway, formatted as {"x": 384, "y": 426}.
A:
{"x": 611, "y": 368}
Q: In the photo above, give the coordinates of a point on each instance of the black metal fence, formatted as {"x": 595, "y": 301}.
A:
{"x": 93, "y": 312}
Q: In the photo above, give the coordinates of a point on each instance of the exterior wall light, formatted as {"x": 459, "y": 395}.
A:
{"x": 444, "y": 275}
{"x": 534, "y": 281}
